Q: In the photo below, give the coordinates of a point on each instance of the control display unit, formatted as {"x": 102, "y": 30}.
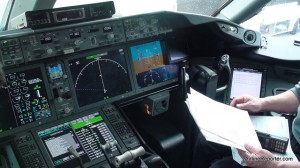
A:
{"x": 149, "y": 64}
{"x": 100, "y": 75}
{"x": 85, "y": 135}
{"x": 24, "y": 100}
{"x": 246, "y": 81}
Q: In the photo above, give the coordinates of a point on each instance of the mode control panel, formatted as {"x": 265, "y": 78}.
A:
{"x": 11, "y": 52}
{"x": 50, "y": 44}
{"x": 143, "y": 27}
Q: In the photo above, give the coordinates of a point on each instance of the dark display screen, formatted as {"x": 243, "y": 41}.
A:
{"x": 149, "y": 67}
{"x": 100, "y": 76}
{"x": 34, "y": 16}
{"x": 62, "y": 16}
{"x": 46, "y": 40}
{"x": 24, "y": 100}
{"x": 75, "y": 35}
{"x": 85, "y": 135}
{"x": 107, "y": 29}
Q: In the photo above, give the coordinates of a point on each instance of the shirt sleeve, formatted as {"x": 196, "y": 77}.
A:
{"x": 296, "y": 122}
{"x": 296, "y": 90}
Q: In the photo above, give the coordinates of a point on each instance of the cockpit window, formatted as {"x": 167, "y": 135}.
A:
{"x": 277, "y": 18}
{"x": 3, "y": 5}
{"x": 132, "y": 7}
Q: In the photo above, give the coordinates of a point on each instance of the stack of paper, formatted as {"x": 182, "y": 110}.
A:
{"x": 221, "y": 123}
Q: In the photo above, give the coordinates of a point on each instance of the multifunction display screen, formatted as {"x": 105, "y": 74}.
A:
{"x": 23, "y": 100}
{"x": 149, "y": 66}
{"x": 100, "y": 76}
{"x": 85, "y": 135}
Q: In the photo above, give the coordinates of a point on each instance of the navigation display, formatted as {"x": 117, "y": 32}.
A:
{"x": 85, "y": 135}
{"x": 23, "y": 100}
{"x": 149, "y": 66}
{"x": 100, "y": 76}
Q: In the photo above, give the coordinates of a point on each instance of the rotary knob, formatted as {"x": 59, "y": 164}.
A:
{"x": 49, "y": 51}
{"x": 110, "y": 36}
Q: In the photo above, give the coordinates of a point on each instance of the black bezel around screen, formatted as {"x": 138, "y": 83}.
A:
{"x": 112, "y": 66}
{"x": 163, "y": 64}
{"x": 263, "y": 71}
{"x": 37, "y": 106}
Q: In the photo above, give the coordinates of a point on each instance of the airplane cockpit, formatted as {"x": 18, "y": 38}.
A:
{"x": 86, "y": 85}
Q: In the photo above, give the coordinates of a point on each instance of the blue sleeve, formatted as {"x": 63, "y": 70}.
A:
{"x": 296, "y": 90}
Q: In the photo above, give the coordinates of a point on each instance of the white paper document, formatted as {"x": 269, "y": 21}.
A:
{"x": 221, "y": 123}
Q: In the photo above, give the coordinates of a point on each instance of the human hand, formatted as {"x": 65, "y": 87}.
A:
{"x": 258, "y": 158}
{"x": 247, "y": 103}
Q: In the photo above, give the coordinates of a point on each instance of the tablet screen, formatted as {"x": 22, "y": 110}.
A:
{"x": 246, "y": 81}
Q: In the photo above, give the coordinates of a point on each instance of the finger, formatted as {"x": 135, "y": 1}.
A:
{"x": 244, "y": 106}
{"x": 252, "y": 149}
{"x": 236, "y": 101}
{"x": 244, "y": 154}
